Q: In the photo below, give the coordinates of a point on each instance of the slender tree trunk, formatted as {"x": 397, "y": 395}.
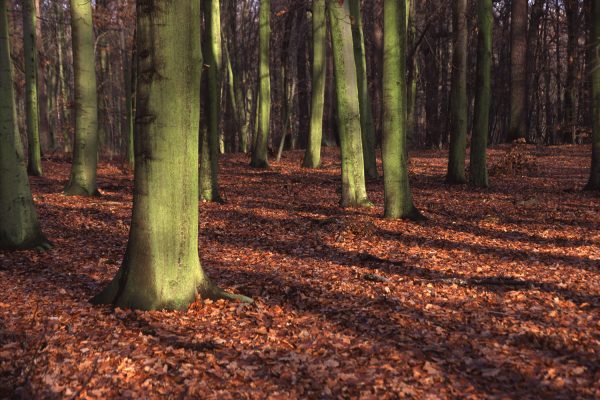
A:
{"x": 232, "y": 101}
{"x": 260, "y": 152}
{"x": 481, "y": 122}
{"x": 209, "y": 187}
{"x": 161, "y": 268}
{"x": 42, "y": 90}
{"x": 398, "y": 197}
{"x": 312, "y": 157}
{"x": 432, "y": 94}
{"x": 34, "y": 160}
{"x": 364, "y": 99}
{"x": 594, "y": 181}
{"x": 413, "y": 73}
{"x": 354, "y": 193}
{"x": 129, "y": 59}
{"x": 62, "y": 81}
{"x": 458, "y": 101}
{"x": 85, "y": 150}
{"x": 570, "y": 107}
{"x": 518, "y": 71}
{"x": 302, "y": 71}
{"x": 19, "y": 227}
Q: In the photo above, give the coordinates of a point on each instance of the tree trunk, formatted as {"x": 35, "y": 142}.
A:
{"x": 34, "y": 151}
{"x": 481, "y": 120}
{"x": 364, "y": 99}
{"x": 398, "y": 197}
{"x": 129, "y": 71}
{"x": 20, "y": 227}
{"x": 570, "y": 107}
{"x": 413, "y": 73}
{"x": 161, "y": 268}
{"x": 594, "y": 182}
{"x": 209, "y": 187}
{"x": 354, "y": 193}
{"x": 260, "y": 152}
{"x": 312, "y": 157}
{"x": 458, "y": 101}
{"x": 518, "y": 71}
{"x": 85, "y": 149}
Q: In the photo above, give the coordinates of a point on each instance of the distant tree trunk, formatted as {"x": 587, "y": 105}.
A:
{"x": 458, "y": 102}
{"x": 161, "y": 268}
{"x": 260, "y": 151}
{"x": 312, "y": 157}
{"x": 432, "y": 93}
{"x": 354, "y": 193}
{"x": 85, "y": 149}
{"x": 518, "y": 71}
{"x": 209, "y": 187}
{"x": 413, "y": 73}
{"x": 42, "y": 90}
{"x": 364, "y": 99}
{"x": 34, "y": 160}
{"x": 303, "y": 65}
{"x": 65, "y": 116}
{"x": 570, "y": 107}
{"x": 19, "y": 228}
{"x": 594, "y": 182}
{"x": 129, "y": 71}
{"x": 534, "y": 72}
{"x": 398, "y": 197}
{"x": 481, "y": 122}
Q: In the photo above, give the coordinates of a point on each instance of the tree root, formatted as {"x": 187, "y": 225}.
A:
{"x": 260, "y": 164}
{"x": 415, "y": 215}
{"x": 77, "y": 190}
{"x": 213, "y": 292}
{"x": 44, "y": 245}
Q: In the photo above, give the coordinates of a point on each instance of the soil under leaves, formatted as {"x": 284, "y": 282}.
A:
{"x": 496, "y": 295}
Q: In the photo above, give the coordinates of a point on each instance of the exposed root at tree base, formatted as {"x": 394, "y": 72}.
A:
{"x": 77, "y": 190}
{"x": 213, "y": 292}
{"x": 260, "y": 164}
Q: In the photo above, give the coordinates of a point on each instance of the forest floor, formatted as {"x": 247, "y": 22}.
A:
{"x": 496, "y": 295}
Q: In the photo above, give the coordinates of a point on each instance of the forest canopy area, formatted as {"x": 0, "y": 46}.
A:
{"x": 300, "y": 199}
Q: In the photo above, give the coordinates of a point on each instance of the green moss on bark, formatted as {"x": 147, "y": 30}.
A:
{"x": 82, "y": 181}
{"x": 261, "y": 144}
{"x": 481, "y": 122}
{"x": 19, "y": 226}
{"x": 398, "y": 197}
{"x": 354, "y": 193}
{"x": 312, "y": 157}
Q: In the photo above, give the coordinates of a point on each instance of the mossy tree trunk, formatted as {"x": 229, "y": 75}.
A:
{"x": 594, "y": 181}
{"x": 85, "y": 148}
{"x": 413, "y": 73}
{"x": 458, "y": 101}
{"x": 518, "y": 71}
{"x": 364, "y": 99}
{"x": 481, "y": 121}
{"x": 354, "y": 192}
{"x": 129, "y": 78}
{"x": 19, "y": 226}
{"x": 161, "y": 268}
{"x": 34, "y": 159}
{"x": 209, "y": 163}
{"x": 312, "y": 157}
{"x": 398, "y": 197}
{"x": 261, "y": 146}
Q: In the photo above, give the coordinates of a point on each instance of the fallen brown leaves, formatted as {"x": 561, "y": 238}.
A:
{"x": 495, "y": 296}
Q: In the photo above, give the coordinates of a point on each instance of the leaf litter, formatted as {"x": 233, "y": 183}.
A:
{"x": 496, "y": 295}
